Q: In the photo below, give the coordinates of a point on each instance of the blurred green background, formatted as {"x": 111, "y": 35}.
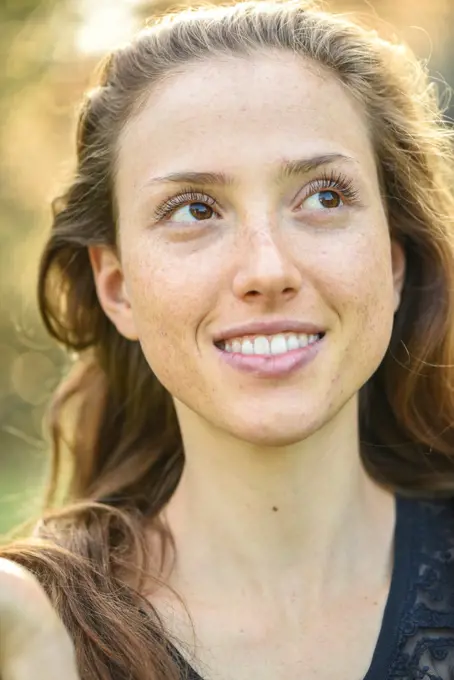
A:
{"x": 48, "y": 49}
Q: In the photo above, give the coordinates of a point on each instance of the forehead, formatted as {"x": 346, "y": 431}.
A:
{"x": 232, "y": 112}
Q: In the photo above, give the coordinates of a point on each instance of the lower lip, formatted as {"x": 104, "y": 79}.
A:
{"x": 272, "y": 365}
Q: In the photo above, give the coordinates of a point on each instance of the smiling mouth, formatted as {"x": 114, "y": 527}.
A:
{"x": 268, "y": 345}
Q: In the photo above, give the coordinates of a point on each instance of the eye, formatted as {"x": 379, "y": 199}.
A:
{"x": 323, "y": 200}
{"x": 190, "y": 206}
{"x": 198, "y": 210}
{"x": 329, "y": 193}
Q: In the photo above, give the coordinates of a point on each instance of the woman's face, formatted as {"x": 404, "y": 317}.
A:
{"x": 247, "y": 193}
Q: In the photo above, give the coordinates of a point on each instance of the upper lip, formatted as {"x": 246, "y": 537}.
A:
{"x": 268, "y": 327}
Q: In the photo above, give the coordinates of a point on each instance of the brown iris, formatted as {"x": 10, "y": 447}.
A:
{"x": 329, "y": 199}
{"x": 201, "y": 211}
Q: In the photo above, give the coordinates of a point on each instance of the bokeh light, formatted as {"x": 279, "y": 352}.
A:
{"x": 105, "y": 25}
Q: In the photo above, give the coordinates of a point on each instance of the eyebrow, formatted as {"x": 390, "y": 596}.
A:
{"x": 287, "y": 170}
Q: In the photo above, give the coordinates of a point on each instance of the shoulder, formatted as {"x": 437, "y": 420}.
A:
{"x": 425, "y": 647}
{"x": 433, "y": 552}
{"x": 435, "y": 526}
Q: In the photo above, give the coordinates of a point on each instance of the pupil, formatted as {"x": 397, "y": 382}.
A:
{"x": 329, "y": 199}
{"x": 200, "y": 211}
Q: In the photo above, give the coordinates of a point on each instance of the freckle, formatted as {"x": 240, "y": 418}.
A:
{"x": 275, "y": 509}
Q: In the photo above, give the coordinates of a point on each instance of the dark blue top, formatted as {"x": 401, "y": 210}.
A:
{"x": 416, "y": 640}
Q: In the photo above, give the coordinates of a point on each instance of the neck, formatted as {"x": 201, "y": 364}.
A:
{"x": 254, "y": 517}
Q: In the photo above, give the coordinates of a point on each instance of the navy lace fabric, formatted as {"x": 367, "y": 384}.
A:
{"x": 416, "y": 640}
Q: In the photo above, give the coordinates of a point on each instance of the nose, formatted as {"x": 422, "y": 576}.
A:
{"x": 266, "y": 269}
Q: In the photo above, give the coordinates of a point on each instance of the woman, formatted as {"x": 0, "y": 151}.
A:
{"x": 254, "y": 264}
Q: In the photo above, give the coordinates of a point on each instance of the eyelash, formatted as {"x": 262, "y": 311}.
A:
{"x": 333, "y": 180}
{"x": 188, "y": 195}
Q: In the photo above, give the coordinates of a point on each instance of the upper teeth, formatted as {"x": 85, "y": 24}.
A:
{"x": 269, "y": 344}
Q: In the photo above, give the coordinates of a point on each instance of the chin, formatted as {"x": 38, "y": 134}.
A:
{"x": 276, "y": 431}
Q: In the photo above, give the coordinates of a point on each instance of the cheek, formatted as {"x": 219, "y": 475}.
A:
{"x": 168, "y": 303}
{"x": 365, "y": 295}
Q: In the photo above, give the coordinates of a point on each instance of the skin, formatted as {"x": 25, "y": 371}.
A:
{"x": 34, "y": 642}
{"x": 274, "y": 463}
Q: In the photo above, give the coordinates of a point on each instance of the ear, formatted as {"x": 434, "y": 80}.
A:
{"x": 398, "y": 260}
{"x": 111, "y": 289}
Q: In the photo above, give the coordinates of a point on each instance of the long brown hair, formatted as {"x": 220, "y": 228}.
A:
{"x": 112, "y": 413}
